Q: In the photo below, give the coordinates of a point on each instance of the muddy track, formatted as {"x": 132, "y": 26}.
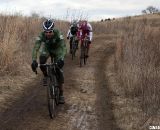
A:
{"x": 30, "y": 110}
{"x": 104, "y": 105}
{"x": 88, "y": 98}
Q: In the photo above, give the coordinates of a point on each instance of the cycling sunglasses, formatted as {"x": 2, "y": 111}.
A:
{"x": 48, "y": 31}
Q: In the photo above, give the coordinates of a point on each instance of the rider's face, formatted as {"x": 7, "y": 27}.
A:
{"x": 49, "y": 34}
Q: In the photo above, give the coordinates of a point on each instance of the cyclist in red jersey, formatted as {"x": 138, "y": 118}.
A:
{"x": 85, "y": 29}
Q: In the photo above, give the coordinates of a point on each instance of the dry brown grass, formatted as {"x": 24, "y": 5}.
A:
{"x": 17, "y": 35}
{"x": 16, "y": 38}
{"x": 137, "y": 62}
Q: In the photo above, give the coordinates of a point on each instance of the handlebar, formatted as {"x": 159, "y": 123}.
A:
{"x": 47, "y": 64}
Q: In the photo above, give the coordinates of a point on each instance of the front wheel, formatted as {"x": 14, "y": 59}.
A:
{"x": 85, "y": 52}
{"x": 73, "y": 50}
{"x": 51, "y": 101}
{"x": 57, "y": 95}
{"x": 82, "y": 55}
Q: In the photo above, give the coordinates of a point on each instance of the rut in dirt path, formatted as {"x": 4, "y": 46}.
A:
{"x": 105, "y": 115}
{"x": 30, "y": 109}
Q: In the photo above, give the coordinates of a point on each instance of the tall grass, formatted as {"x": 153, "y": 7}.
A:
{"x": 17, "y": 36}
{"x": 137, "y": 62}
{"x": 15, "y": 42}
{"x": 138, "y": 58}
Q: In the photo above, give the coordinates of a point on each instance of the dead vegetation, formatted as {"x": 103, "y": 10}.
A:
{"x": 137, "y": 65}
{"x": 17, "y": 35}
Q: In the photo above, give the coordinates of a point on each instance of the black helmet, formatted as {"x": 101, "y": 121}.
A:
{"x": 48, "y": 25}
{"x": 74, "y": 23}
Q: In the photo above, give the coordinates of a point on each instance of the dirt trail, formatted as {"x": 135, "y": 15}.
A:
{"x": 88, "y": 98}
{"x": 104, "y": 94}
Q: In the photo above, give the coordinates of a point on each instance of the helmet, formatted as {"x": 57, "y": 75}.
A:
{"x": 83, "y": 23}
{"x": 48, "y": 25}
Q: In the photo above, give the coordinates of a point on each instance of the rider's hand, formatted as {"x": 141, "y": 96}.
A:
{"x": 67, "y": 37}
{"x": 34, "y": 65}
{"x": 60, "y": 63}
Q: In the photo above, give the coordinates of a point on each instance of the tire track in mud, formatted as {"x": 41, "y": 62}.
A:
{"x": 30, "y": 110}
{"x": 101, "y": 118}
{"x": 104, "y": 106}
{"x": 21, "y": 105}
{"x": 27, "y": 106}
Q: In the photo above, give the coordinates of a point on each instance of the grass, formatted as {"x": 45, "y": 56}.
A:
{"x": 137, "y": 64}
{"x": 17, "y": 39}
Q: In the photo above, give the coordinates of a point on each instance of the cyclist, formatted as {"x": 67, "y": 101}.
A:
{"x": 73, "y": 31}
{"x": 85, "y": 29}
{"x": 52, "y": 45}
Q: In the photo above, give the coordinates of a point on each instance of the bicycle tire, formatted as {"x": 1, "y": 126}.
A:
{"x": 84, "y": 59}
{"x": 51, "y": 101}
{"x": 80, "y": 62}
{"x": 57, "y": 91}
{"x": 85, "y": 52}
{"x": 82, "y": 55}
{"x": 73, "y": 48}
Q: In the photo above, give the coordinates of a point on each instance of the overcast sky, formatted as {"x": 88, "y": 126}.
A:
{"x": 90, "y": 9}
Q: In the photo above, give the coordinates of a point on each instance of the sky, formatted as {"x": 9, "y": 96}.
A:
{"x": 74, "y": 9}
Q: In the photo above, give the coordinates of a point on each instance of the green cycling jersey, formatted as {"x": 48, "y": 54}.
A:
{"x": 54, "y": 46}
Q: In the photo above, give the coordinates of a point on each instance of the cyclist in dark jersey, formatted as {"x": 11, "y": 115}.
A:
{"x": 73, "y": 31}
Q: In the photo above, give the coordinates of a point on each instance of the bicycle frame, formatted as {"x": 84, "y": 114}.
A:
{"x": 51, "y": 71}
{"x": 74, "y": 46}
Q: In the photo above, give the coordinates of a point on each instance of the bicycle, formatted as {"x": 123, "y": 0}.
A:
{"x": 52, "y": 88}
{"x": 74, "y": 47}
{"x": 84, "y": 51}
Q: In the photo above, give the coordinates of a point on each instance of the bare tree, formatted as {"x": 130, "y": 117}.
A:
{"x": 144, "y": 12}
{"x": 152, "y": 9}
